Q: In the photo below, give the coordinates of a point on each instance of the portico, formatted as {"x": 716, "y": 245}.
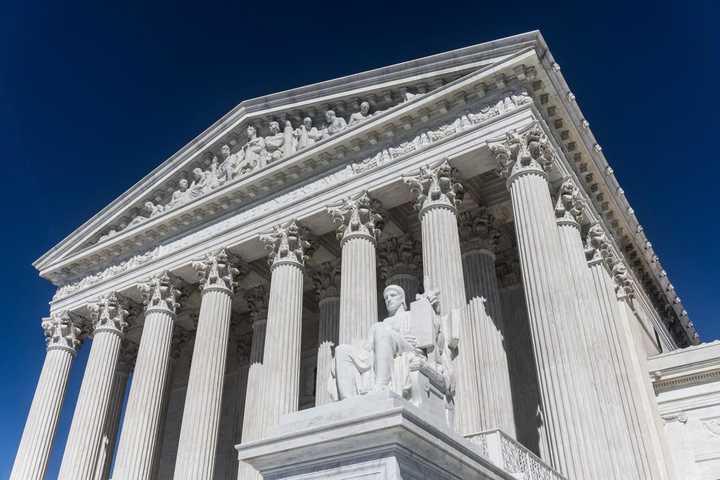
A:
{"x": 235, "y": 284}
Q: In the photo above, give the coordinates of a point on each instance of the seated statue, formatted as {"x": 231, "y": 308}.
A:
{"x": 334, "y": 124}
{"x": 274, "y": 143}
{"x": 403, "y": 345}
{"x": 362, "y": 115}
{"x": 306, "y": 135}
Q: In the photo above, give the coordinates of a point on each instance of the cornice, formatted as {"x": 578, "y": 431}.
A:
{"x": 322, "y": 157}
{"x": 456, "y": 61}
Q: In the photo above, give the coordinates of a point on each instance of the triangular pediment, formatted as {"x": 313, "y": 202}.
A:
{"x": 282, "y": 133}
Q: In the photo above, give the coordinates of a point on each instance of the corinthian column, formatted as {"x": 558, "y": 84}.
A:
{"x": 257, "y": 300}
{"x": 485, "y": 323}
{"x": 639, "y": 414}
{"x": 572, "y": 446}
{"x": 438, "y": 196}
{"x": 358, "y": 228}
{"x": 62, "y": 337}
{"x": 284, "y": 323}
{"x": 203, "y": 401}
{"x": 139, "y": 436}
{"x": 326, "y": 280}
{"x": 569, "y": 212}
{"x": 85, "y": 438}
{"x": 400, "y": 262}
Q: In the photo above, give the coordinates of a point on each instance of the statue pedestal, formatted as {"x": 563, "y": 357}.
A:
{"x": 377, "y": 436}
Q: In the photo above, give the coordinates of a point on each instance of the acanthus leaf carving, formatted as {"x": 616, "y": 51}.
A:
{"x": 287, "y": 243}
{"x": 570, "y": 205}
{"x": 523, "y": 151}
{"x": 357, "y": 215}
{"x": 61, "y": 332}
{"x": 400, "y": 255}
{"x": 216, "y": 271}
{"x": 478, "y": 230}
{"x": 159, "y": 293}
{"x": 109, "y": 314}
{"x": 436, "y": 186}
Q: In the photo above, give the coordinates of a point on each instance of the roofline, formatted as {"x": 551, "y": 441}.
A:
{"x": 533, "y": 37}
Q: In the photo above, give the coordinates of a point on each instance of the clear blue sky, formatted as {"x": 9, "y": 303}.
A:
{"x": 93, "y": 95}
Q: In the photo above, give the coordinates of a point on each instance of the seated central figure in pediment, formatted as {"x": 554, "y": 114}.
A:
{"x": 403, "y": 354}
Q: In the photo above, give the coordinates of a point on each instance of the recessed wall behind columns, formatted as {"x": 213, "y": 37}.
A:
{"x": 523, "y": 377}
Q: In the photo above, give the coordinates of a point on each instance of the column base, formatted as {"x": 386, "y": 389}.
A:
{"x": 378, "y": 436}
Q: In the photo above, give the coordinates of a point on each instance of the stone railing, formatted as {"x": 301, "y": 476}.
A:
{"x": 511, "y": 456}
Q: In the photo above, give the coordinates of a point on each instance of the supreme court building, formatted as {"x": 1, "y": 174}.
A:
{"x": 237, "y": 297}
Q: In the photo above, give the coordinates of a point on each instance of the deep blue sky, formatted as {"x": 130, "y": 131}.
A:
{"x": 94, "y": 95}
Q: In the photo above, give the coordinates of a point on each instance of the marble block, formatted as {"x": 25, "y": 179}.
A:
{"x": 376, "y": 436}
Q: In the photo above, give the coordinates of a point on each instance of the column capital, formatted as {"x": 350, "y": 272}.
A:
{"x": 159, "y": 293}
{"x": 326, "y": 280}
{"x": 287, "y": 244}
{"x": 61, "y": 332}
{"x": 570, "y": 206}
{"x": 597, "y": 246}
{"x": 522, "y": 152}
{"x": 625, "y": 285}
{"x": 436, "y": 187}
{"x": 217, "y": 272}
{"x": 357, "y": 216}
{"x": 109, "y": 315}
{"x": 401, "y": 255}
{"x": 478, "y": 231}
{"x": 257, "y": 301}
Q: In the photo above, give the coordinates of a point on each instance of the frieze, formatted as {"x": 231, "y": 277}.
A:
{"x": 424, "y": 139}
{"x": 257, "y": 152}
{"x": 468, "y": 119}
{"x": 109, "y": 272}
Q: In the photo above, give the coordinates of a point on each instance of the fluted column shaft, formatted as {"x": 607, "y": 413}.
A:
{"x": 438, "y": 195}
{"x": 359, "y": 226}
{"x": 327, "y": 339}
{"x": 638, "y": 420}
{"x": 574, "y": 447}
{"x": 203, "y": 401}
{"x": 486, "y": 322}
{"x": 358, "y": 288}
{"x": 85, "y": 439}
{"x": 590, "y": 350}
{"x": 112, "y": 422}
{"x": 282, "y": 342}
{"x": 37, "y": 438}
{"x": 143, "y": 413}
{"x": 255, "y": 385}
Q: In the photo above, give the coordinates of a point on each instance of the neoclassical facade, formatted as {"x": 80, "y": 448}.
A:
{"x": 217, "y": 292}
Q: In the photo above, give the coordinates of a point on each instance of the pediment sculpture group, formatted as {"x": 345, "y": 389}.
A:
{"x": 256, "y": 153}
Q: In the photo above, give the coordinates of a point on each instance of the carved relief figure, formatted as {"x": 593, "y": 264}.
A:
{"x": 363, "y": 114}
{"x": 179, "y": 195}
{"x": 274, "y": 142}
{"x": 306, "y": 134}
{"x": 256, "y": 156}
{"x": 199, "y": 185}
{"x": 230, "y": 163}
{"x": 335, "y": 124}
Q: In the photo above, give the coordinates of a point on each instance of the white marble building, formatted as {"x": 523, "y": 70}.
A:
{"x": 471, "y": 177}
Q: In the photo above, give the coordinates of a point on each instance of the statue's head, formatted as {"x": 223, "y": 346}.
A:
{"x": 183, "y": 184}
{"x": 394, "y": 296}
{"x": 274, "y": 128}
{"x": 225, "y": 151}
{"x": 307, "y": 121}
{"x": 364, "y": 108}
{"x": 251, "y": 131}
{"x": 330, "y": 116}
